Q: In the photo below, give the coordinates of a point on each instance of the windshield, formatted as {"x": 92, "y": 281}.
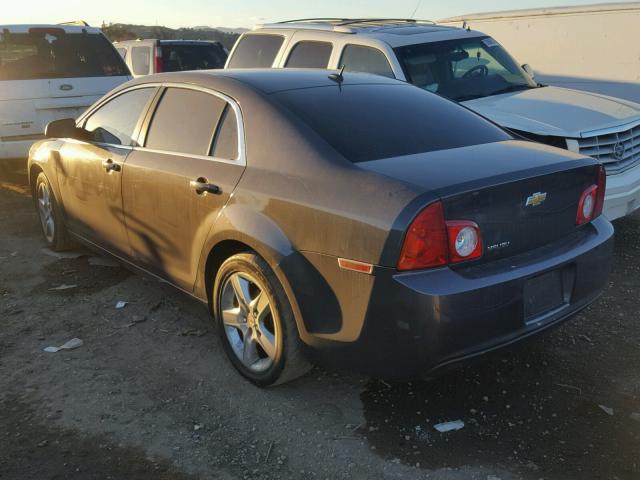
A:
{"x": 463, "y": 69}
{"x": 178, "y": 57}
{"x": 52, "y": 53}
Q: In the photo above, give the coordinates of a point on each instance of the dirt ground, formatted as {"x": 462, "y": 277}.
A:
{"x": 150, "y": 395}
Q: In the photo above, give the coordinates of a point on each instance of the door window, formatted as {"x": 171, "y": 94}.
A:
{"x": 115, "y": 122}
{"x": 358, "y": 58}
{"x": 309, "y": 55}
{"x": 185, "y": 122}
{"x": 141, "y": 60}
{"x": 225, "y": 143}
{"x": 256, "y": 51}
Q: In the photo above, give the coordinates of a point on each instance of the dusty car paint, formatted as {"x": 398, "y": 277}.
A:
{"x": 301, "y": 206}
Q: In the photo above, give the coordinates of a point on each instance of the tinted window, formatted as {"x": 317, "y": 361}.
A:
{"x": 369, "y": 122}
{"x": 52, "y": 53}
{"x": 357, "y": 58}
{"x": 140, "y": 60}
{"x": 309, "y": 55}
{"x": 122, "y": 52}
{"x": 225, "y": 145}
{"x": 115, "y": 121}
{"x": 256, "y": 51}
{"x": 185, "y": 121}
{"x": 178, "y": 57}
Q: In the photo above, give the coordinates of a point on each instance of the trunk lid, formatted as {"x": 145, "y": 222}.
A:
{"x": 521, "y": 195}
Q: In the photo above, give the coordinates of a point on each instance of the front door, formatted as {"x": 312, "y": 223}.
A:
{"x": 175, "y": 186}
{"x": 90, "y": 172}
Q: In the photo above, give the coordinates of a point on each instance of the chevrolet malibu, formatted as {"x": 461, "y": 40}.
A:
{"x": 352, "y": 216}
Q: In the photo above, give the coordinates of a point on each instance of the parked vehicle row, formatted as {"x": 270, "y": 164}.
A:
{"x": 348, "y": 214}
{"x": 471, "y": 68}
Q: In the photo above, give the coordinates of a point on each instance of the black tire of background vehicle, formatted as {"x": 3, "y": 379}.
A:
{"x": 61, "y": 240}
{"x": 290, "y": 362}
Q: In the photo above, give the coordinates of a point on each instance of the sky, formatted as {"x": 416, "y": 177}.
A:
{"x": 246, "y": 13}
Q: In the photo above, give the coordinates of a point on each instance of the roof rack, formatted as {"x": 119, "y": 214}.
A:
{"x": 79, "y": 23}
{"x": 345, "y": 25}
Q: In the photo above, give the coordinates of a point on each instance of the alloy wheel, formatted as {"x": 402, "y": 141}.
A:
{"x": 247, "y": 316}
{"x": 45, "y": 210}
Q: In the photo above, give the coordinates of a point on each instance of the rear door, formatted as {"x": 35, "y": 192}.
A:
{"x": 90, "y": 172}
{"x": 176, "y": 184}
{"x": 47, "y": 73}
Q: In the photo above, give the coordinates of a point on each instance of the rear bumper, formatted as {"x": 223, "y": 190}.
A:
{"x": 419, "y": 322}
{"x": 623, "y": 193}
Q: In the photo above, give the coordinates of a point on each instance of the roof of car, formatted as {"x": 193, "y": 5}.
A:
{"x": 395, "y": 32}
{"x": 165, "y": 42}
{"x": 68, "y": 28}
{"x": 267, "y": 80}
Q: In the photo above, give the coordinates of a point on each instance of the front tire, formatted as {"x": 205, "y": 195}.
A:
{"x": 256, "y": 324}
{"x": 53, "y": 228}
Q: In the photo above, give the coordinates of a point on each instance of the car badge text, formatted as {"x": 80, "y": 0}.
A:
{"x": 536, "y": 199}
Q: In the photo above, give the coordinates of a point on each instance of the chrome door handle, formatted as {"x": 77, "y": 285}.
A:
{"x": 201, "y": 186}
{"x": 110, "y": 166}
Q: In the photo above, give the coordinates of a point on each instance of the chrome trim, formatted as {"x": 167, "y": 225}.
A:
{"x": 611, "y": 130}
{"x": 241, "y": 159}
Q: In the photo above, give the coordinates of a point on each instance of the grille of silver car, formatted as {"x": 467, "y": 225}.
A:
{"x": 617, "y": 151}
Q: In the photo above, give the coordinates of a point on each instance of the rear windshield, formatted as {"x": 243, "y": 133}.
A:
{"x": 370, "y": 122}
{"x": 52, "y": 53}
{"x": 176, "y": 57}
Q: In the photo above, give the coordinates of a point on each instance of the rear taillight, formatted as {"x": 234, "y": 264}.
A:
{"x": 431, "y": 242}
{"x": 157, "y": 59}
{"x": 592, "y": 199}
{"x": 465, "y": 242}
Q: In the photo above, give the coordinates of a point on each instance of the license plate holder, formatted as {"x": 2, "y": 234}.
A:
{"x": 544, "y": 294}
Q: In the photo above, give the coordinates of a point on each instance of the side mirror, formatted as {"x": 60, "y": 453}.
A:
{"x": 64, "y": 128}
{"x": 527, "y": 68}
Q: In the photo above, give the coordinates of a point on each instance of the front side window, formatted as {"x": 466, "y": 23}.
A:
{"x": 185, "y": 122}
{"x": 256, "y": 51}
{"x": 463, "y": 69}
{"x": 115, "y": 122}
{"x": 358, "y": 58}
{"x": 53, "y": 53}
{"x": 141, "y": 60}
{"x": 309, "y": 55}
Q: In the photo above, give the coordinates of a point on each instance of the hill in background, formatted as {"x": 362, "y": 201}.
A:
{"x": 123, "y": 31}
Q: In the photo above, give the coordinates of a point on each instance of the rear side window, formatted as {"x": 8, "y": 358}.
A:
{"x": 122, "y": 52}
{"x": 115, "y": 122}
{"x": 370, "y": 122}
{"x": 309, "y": 55}
{"x": 225, "y": 144}
{"x": 141, "y": 60}
{"x": 358, "y": 58}
{"x": 185, "y": 122}
{"x": 52, "y": 53}
{"x": 178, "y": 57}
{"x": 256, "y": 51}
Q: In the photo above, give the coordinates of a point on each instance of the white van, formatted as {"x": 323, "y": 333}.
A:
{"x": 49, "y": 72}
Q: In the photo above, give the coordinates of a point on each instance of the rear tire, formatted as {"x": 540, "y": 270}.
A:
{"x": 51, "y": 219}
{"x": 256, "y": 324}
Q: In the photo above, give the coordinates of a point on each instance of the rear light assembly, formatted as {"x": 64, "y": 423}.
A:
{"x": 433, "y": 242}
{"x": 591, "y": 201}
{"x": 157, "y": 59}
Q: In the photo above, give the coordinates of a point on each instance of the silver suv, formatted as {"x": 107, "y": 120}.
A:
{"x": 469, "y": 67}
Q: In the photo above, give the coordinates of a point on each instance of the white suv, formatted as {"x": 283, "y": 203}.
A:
{"x": 468, "y": 67}
{"x": 49, "y": 72}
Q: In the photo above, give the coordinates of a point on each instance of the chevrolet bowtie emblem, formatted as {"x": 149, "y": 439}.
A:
{"x": 536, "y": 199}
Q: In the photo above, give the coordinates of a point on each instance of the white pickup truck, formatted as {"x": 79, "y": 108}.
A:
{"x": 49, "y": 72}
{"x": 469, "y": 67}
